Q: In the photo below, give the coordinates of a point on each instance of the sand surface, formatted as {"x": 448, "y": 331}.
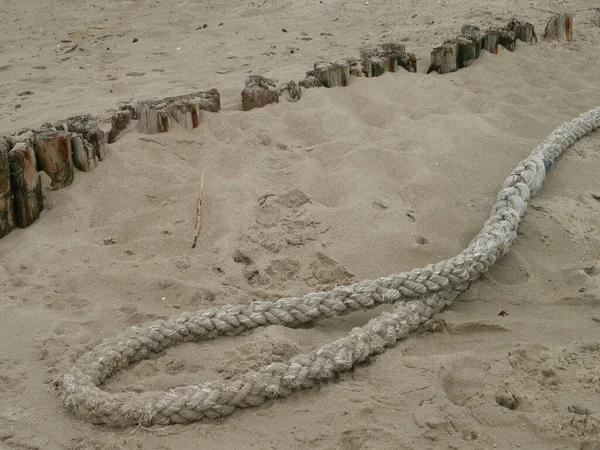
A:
{"x": 380, "y": 177}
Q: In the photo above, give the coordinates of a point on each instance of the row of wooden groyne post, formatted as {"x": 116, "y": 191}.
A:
{"x": 79, "y": 143}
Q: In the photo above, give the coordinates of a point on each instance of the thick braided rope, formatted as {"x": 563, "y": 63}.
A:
{"x": 417, "y": 295}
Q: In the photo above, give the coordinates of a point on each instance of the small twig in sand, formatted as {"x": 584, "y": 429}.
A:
{"x": 135, "y": 17}
{"x": 198, "y": 206}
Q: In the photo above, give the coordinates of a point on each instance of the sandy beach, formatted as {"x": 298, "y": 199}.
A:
{"x": 379, "y": 177}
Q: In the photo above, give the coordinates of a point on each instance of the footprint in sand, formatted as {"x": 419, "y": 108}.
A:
{"x": 283, "y": 269}
{"x": 327, "y": 271}
{"x": 464, "y": 378}
{"x": 261, "y": 348}
{"x": 284, "y": 221}
{"x": 593, "y": 270}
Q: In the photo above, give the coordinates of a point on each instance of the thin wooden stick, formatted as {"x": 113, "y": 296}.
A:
{"x": 135, "y": 17}
{"x": 198, "y": 206}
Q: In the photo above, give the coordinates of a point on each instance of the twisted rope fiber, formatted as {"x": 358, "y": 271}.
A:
{"x": 416, "y": 296}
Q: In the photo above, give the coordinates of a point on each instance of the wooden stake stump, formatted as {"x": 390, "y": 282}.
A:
{"x": 491, "y": 40}
{"x": 84, "y": 156}
{"x": 119, "y": 122}
{"x": 443, "y": 58}
{"x": 387, "y": 58}
{"x": 467, "y": 51}
{"x": 185, "y": 112}
{"x": 151, "y": 120}
{"x": 597, "y": 17}
{"x": 154, "y": 115}
{"x": 87, "y": 126}
{"x": 54, "y": 156}
{"x": 209, "y": 101}
{"x": 7, "y": 218}
{"x": 356, "y": 71}
{"x": 559, "y": 26}
{"x": 259, "y": 92}
{"x": 507, "y": 39}
{"x": 98, "y": 140}
{"x": 408, "y": 61}
{"x": 310, "y": 81}
{"x": 332, "y": 74}
{"x": 26, "y": 185}
{"x": 376, "y": 66}
{"x": 524, "y": 31}
{"x": 294, "y": 93}
{"x": 474, "y": 33}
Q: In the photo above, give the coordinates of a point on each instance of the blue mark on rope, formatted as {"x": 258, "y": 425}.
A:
{"x": 548, "y": 165}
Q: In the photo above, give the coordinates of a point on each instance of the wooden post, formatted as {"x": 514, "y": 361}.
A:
{"x": 355, "y": 71}
{"x": 154, "y": 115}
{"x": 376, "y": 66}
{"x": 467, "y": 51}
{"x": 407, "y": 61}
{"x": 54, "y": 156}
{"x": 443, "y": 58}
{"x": 294, "y": 93}
{"x": 185, "y": 113}
{"x": 7, "y": 217}
{"x": 119, "y": 122}
{"x": 507, "y": 39}
{"x": 87, "y": 126}
{"x": 26, "y": 185}
{"x": 151, "y": 120}
{"x": 98, "y": 141}
{"x": 597, "y": 17}
{"x": 524, "y": 31}
{"x": 476, "y": 35}
{"x": 559, "y": 26}
{"x": 259, "y": 91}
{"x": 386, "y": 58}
{"x": 209, "y": 101}
{"x": 332, "y": 74}
{"x": 491, "y": 40}
{"x": 310, "y": 80}
{"x": 84, "y": 156}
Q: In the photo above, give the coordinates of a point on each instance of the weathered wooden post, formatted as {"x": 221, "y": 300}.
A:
{"x": 467, "y": 51}
{"x": 151, "y": 119}
{"x": 185, "y": 112}
{"x": 332, "y": 74}
{"x": 54, "y": 156}
{"x": 84, "y": 156}
{"x": 491, "y": 39}
{"x": 259, "y": 91}
{"x": 443, "y": 58}
{"x": 154, "y": 115}
{"x": 87, "y": 126}
{"x": 559, "y": 26}
{"x": 507, "y": 39}
{"x": 524, "y": 31}
{"x": 26, "y": 184}
{"x": 475, "y": 33}
{"x": 376, "y": 64}
{"x": 7, "y": 218}
{"x": 294, "y": 93}
{"x": 386, "y": 58}
{"x": 407, "y": 61}
{"x": 597, "y": 17}
{"x": 119, "y": 122}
